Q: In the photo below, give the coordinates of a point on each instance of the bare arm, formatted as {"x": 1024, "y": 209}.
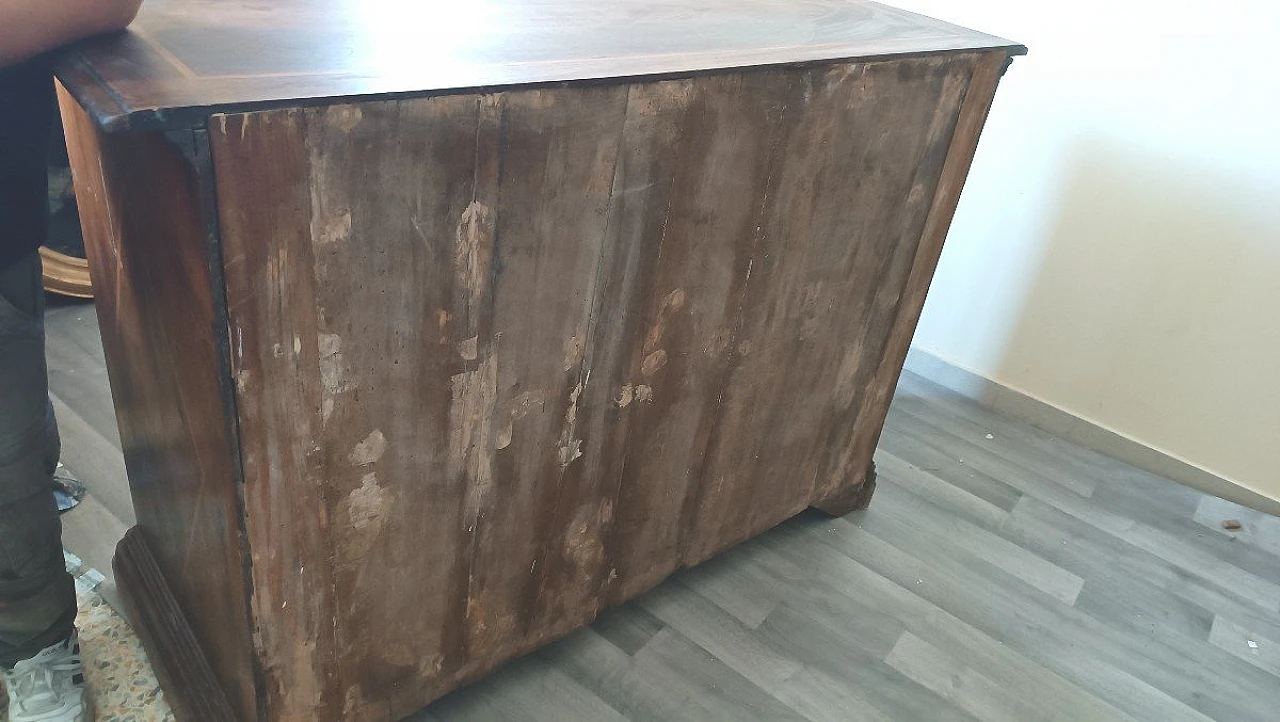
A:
{"x": 30, "y": 27}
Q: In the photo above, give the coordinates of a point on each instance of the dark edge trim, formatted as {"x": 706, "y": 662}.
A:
{"x": 103, "y": 105}
{"x": 202, "y": 161}
{"x": 120, "y": 118}
{"x": 180, "y": 665}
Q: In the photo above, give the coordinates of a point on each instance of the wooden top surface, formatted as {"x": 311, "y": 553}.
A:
{"x": 186, "y": 58}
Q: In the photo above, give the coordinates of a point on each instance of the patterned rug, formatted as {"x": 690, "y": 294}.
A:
{"x": 123, "y": 687}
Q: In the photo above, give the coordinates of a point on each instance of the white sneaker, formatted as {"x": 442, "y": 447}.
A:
{"x": 49, "y": 687}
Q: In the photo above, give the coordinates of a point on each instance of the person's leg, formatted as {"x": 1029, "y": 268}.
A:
{"x": 37, "y": 595}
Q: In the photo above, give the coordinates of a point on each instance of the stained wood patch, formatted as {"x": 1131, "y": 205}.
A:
{"x": 504, "y": 360}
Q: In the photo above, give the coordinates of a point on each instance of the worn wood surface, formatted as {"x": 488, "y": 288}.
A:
{"x": 184, "y": 57}
{"x": 141, "y": 211}
{"x": 504, "y": 360}
{"x": 852, "y": 436}
{"x": 1142, "y": 605}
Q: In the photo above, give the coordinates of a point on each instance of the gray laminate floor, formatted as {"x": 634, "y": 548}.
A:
{"x": 1000, "y": 574}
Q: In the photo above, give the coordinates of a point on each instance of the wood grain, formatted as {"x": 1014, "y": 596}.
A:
{"x": 185, "y": 58}
{"x": 503, "y": 360}
{"x": 286, "y": 520}
{"x": 141, "y": 210}
{"x": 855, "y": 435}
{"x": 809, "y": 625}
{"x": 175, "y": 655}
{"x": 835, "y": 234}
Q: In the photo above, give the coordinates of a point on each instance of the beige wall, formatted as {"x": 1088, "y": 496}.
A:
{"x": 1117, "y": 249}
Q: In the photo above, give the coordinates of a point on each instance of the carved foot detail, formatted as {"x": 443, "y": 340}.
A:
{"x": 847, "y": 499}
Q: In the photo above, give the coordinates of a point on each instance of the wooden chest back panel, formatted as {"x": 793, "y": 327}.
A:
{"x": 503, "y": 360}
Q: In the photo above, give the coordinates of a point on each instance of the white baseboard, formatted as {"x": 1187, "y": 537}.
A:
{"x": 1083, "y": 432}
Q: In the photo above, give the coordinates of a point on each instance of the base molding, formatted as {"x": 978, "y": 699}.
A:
{"x": 180, "y": 665}
{"x": 1080, "y": 431}
{"x": 66, "y": 275}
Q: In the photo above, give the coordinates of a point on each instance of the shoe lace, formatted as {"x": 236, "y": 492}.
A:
{"x": 35, "y": 683}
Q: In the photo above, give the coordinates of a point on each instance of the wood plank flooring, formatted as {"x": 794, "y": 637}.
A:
{"x": 1000, "y": 574}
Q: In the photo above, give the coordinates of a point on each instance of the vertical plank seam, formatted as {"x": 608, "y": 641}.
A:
{"x": 775, "y": 406}
{"x": 328, "y": 675}
{"x": 495, "y": 265}
{"x": 206, "y": 169}
{"x": 560, "y": 515}
{"x": 697, "y": 488}
{"x": 603, "y": 583}
{"x": 453, "y": 634}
